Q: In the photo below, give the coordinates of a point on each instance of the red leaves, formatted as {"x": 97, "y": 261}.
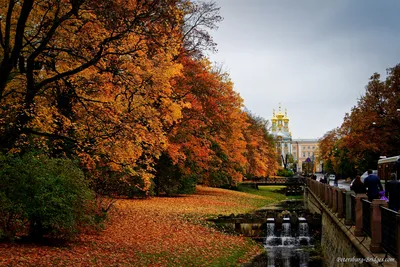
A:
{"x": 156, "y": 232}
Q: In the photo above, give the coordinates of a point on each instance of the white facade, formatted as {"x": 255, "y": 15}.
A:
{"x": 281, "y": 133}
{"x": 302, "y": 150}
{"x": 306, "y": 150}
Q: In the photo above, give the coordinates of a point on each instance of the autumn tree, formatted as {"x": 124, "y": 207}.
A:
{"x": 372, "y": 128}
{"x": 327, "y": 147}
{"x": 261, "y": 153}
{"x": 199, "y": 19}
{"x": 207, "y": 144}
{"x": 90, "y": 78}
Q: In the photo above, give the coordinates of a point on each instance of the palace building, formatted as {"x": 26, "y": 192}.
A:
{"x": 280, "y": 132}
{"x": 304, "y": 151}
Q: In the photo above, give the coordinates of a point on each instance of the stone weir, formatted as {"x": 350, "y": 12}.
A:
{"x": 255, "y": 224}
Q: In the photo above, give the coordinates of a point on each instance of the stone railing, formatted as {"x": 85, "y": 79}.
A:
{"x": 277, "y": 180}
{"x": 371, "y": 219}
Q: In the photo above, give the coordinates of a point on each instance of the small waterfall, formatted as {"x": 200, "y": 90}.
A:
{"x": 270, "y": 228}
{"x": 286, "y": 234}
{"x": 285, "y": 248}
{"x": 271, "y": 238}
{"x": 286, "y": 227}
{"x": 303, "y": 227}
{"x": 304, "y": 238}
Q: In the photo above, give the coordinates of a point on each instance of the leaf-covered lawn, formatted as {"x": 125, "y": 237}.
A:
{"x": 153, "y": 232}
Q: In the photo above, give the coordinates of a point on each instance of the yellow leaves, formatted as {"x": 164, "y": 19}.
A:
{"x": 156, "y": 232}
{"x": 175, "y": 111}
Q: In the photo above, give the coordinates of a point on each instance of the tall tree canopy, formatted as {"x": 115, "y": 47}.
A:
{"x": 116, "y": 84}
{"x": 372, "y": 129}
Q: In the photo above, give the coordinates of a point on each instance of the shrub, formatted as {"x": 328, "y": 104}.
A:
{"x": 285, "y": 173}
{"x": 43, "y": 196}
{"x": 110, "y": 183}
{"x": 170, "y": 180}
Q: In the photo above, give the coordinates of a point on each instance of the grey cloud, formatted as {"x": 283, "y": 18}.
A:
{"x": 313, "y": 56}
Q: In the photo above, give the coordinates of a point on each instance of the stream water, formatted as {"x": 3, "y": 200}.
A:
{"x": 291, "y": 234}
{"x": 288, "y": 247}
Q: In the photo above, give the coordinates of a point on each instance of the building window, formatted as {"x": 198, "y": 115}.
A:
{"x": 304, "y": 154}
{"x": 313, "y": 147}
{"x": 308, "y": 147}
{"x": 304, "y": 147}
{"x": 308, "y": 154}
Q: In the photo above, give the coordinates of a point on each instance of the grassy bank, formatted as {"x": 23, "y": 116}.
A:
{"x": 270, "y": 193}
{"x": 155, "y": 232}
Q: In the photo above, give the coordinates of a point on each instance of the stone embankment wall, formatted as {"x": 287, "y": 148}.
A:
{"x": 338, "y": 242}
{"x": 336, "y": 245}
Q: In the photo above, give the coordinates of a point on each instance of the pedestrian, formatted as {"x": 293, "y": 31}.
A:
{"x": 358, "y": 186}
{"x": 393, "y": 192}
{"x": 373, "y": 185}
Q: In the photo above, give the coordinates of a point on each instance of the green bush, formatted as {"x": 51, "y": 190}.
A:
{"x": 169, "y": 179}
{"x": 43, "y": 196}
{"x": 188, "y": 184}
{"x": 110, "y": 183}
{"x": 285, "y": 173}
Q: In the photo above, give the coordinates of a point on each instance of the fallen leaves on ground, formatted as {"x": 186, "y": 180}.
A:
{"x": 151, "y": 232}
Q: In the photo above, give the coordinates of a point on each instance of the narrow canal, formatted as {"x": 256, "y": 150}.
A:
{"x": 291, "y": 246}
{"x": 290, "y": 234}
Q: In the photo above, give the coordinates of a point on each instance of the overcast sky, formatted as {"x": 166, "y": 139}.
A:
{"x": 313, "y": 56}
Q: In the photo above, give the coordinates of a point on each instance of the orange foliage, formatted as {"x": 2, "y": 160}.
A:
{"x": 119, "y": 83}
{"x": 261, "y": 153}
{"x": 147, "y": 233}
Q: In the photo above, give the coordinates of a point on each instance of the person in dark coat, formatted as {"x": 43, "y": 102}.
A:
{"x": 336, "y": 182}
{"x": 373, "y": 185}
{"x": 357, "y": 186}
{"x": 393, "y": 192}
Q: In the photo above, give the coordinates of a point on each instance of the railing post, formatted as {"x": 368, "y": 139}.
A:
{"x": 340, "y": 200}
{"x": 359, "y": 219}
{"x": 330, "y": 196}
{"x": 398, "y": 240}
{"x": 334, "y": 199}
{"x": 376, "y": 230}
{"x": 348, "y": 221}
{"x": 326, "y": 194}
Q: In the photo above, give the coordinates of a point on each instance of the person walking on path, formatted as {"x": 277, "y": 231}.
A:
{"x": 393, "y": 192}
{"x": 336, "y": 182}
{"x": 357, "y": 186}
{"x": 373, "y": 185}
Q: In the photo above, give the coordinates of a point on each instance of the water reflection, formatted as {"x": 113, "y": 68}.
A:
{"x": 287, "y": 257}
{"x": 287, "y": 248}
